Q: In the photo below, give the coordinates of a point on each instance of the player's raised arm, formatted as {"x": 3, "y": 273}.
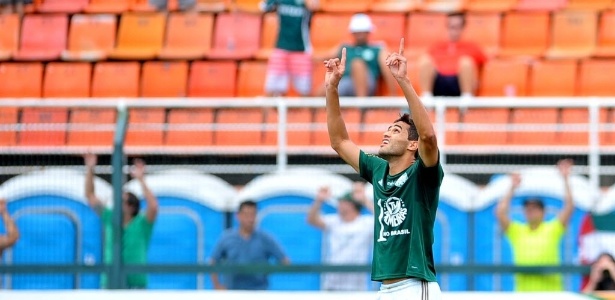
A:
{"x": 428, "y": 145}
{"x": 338, "y": 135}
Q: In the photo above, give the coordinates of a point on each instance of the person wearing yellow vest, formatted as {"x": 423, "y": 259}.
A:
{"x": 536, "y": 242}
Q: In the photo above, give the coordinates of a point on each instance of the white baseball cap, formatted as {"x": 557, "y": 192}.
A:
{"x": 360, "y": 23}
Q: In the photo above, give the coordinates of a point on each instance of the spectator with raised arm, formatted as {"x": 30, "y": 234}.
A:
{"x": 243, "y": 246}
{"x": 536, "y": 242}
{"x": 601, "y": 275}
{"x": 137, "y": 227}
{"x": 349, "y": 236}
{"x": 11, "y": 235}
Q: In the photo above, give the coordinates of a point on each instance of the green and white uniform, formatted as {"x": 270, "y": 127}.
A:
{"x": 405, "y": 212}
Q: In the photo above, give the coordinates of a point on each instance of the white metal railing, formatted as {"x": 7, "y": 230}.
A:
{"x": 593, "y": 126}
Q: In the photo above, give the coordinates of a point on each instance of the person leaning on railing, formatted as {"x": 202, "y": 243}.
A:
{"x": 536, "y": 242}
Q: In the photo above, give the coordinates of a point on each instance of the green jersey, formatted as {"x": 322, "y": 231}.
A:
{"x": 368, "y": 53}
{"x": 404, "y": 211}
{"x": 294, "y": 25}
{"x": 135, "y": 240}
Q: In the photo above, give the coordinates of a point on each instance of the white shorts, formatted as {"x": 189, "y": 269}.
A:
{"x": 410, "y": 289}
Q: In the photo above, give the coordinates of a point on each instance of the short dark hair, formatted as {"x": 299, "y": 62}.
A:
{"x": 413, "y": 134}
{"x": 133, "y": 201}
{"x": 247, "y": 203}
{"x": 458, "y": 14}
{"x": 537, "y": 201}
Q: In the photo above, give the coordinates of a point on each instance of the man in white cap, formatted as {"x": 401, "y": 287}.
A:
{"x": 365, "y": 62}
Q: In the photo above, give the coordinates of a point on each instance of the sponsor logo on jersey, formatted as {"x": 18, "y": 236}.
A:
{"x": 393, "y": 213}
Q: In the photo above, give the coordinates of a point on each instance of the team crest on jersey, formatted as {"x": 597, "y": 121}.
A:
{"x": 394, "y": 211}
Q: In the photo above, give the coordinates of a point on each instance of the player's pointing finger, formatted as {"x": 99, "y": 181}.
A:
{"x": 401, "y": 46}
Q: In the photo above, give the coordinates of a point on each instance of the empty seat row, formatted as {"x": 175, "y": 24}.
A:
{"x": 147, "y": 36}
{"x": 114, "y": 6}
{"x": 177, "y": 79}
{"x": 305, "y": 127}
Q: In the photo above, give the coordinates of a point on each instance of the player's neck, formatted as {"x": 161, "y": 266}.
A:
{"x": 399, "y": 164}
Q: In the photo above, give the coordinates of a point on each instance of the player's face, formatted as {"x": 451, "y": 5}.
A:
{"x": 533, "y": 213}
{"x": 455, "y": 28}
{"x": 360, "y": 38}
{"x": 346, "y": 210}
{"x": 247, "y": 217}
{"x": 395, "y": 140}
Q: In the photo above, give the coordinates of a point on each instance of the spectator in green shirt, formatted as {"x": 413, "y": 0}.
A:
{"x": 536, "y": 242}
{"x": 137, "y": 227}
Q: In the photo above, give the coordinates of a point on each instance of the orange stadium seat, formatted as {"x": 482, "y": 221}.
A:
{"x": 212, "y": 5}
{"x": 8, "y": 116}
{"x": 116, "y": 79}
{"x": 246, "y": 5}
{"x": 518, "y": 41}
{"x": 298, "y": 127}
{"x": 47, "y": 135}
{"x": 9, "y": 35}
{"x": 394, "y": 5}
{"x": 249, "y": 123}
{"x": 490, "y": 5}
{"x": 62, "y": 6}
{"x": 483, "y": 117}
{"x": 573, "y": 34}
{"x": 91, "y": 127}
{"x": 541, "y": 5}
{"x": 177, "y": 136}
{"x": 90, "y": 37}
{"x": 188, "y": 36}
{"x": 251, "y": 79}
{"x": 352, "y": 118}
{"x": 345, "y": 5}
{"x": 67, "y": 80}
{"x": 21, "y": 80}
{"x": 423, "y": 30}
{"x": 269, "y": 35}
{"x": 576, "y": 117}
{"x": 324, "y": 41}
{"x": 236, "y": 36}
{"x": 442, "y": 5}
{"x": 553, "y": 78}
{"x": 108, "y": 6}
{"x": 502, "y": 77}
{"x": 607, "y": 137}
{"x": 144, "y": 6}
{"x": 592, "y": 80}
{"x": 204, "y": 79}
{"x": 43, "y": 37}
{"x": 484, "y": 29}
{"x": 389, "y": 29}
{"x": 589, "y": 4}
{"x": 535, "y": 136}
{"x": 164, "y": 79}
{"x": 606, "y": 35}
{"x": 145, "y": 127}
{"x": 140, "y": 36}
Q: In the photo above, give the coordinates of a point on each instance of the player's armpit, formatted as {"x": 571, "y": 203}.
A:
{"x": 349, "y": 152}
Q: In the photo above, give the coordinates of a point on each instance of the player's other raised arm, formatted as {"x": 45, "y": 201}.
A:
{"x": 338, "y": 135}
{"x": 428, "y": 145}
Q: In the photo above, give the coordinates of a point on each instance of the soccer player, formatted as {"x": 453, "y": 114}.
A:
{"x": 406, "y": 176}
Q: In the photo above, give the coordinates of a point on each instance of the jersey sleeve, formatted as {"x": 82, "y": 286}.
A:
{"x": 273, "y": 248}
{"x": 367, "y": 165}
{"x": 268, "y": 5}
{"x": 514, "y": 231}
{"x": 219, "y": 251}
{"x": 329, "y": 220}
{"x": 431, "y": 176}
{"x": 557, "y": 228}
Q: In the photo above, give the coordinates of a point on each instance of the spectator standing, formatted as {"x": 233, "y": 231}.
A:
{"x": 137, "y": 227}
{"x": 291, "y": 58}
{"x": 536, "y": 242}
{"x": 245, "y": 245}
{"x": 349, "y": 236}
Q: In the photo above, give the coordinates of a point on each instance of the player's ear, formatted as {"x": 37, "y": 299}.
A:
{"x": 413, "y": 146}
